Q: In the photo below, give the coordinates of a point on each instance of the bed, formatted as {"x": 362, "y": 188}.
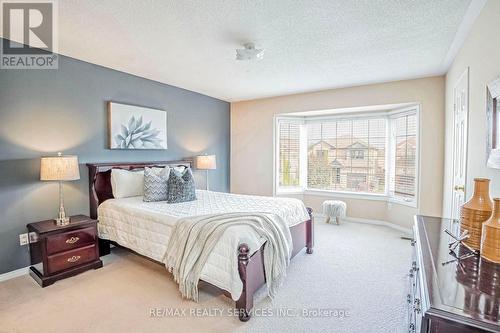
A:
{"x": 235, "y": 266}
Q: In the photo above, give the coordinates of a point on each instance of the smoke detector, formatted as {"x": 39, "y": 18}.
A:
{"x": 249, "y": 53}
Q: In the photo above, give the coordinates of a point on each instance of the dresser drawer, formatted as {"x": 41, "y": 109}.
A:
{"x": 61, "y": 261}
{"x": 71, "y": 240}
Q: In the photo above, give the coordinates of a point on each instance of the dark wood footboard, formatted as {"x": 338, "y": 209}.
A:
{"x": 251, "y": 268}
{"x": 310, "y": 232}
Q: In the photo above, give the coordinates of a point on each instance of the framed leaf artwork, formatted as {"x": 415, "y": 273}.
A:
{"x": 135, "y": 127}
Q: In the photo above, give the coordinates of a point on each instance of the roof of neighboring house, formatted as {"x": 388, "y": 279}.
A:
{"x": 344, "y": 142}
{"x": 324, "y": 142}
{"x": 411, "y": 142}
{"x": 358, "y": 144}
{"x": 336, "y": 164}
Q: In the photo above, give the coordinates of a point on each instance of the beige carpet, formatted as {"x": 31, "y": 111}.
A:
{"x": 356, "y": 269}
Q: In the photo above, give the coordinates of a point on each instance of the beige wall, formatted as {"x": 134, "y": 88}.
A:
{"x": 481, "y": 53}
{"x": 252, "y": 141}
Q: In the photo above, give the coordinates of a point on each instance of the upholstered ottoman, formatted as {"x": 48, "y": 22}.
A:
{"x": 334, "y": 209}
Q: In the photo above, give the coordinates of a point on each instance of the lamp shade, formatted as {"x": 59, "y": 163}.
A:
{"x": 59, "y": 168}
{"x": 206, "y": 162}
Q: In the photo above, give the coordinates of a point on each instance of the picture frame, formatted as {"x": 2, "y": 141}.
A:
{"x": 133, "y": 127}
{"x": 493, "y": 123}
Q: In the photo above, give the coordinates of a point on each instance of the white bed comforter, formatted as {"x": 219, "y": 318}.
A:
{"x": 145, "y": 227}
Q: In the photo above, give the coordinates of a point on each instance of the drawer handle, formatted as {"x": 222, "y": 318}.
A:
{"x": 72, "y": 240}
{"x": 74, "y": 259}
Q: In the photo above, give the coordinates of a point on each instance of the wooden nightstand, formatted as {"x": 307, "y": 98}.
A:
{"x": 62, "y": 251}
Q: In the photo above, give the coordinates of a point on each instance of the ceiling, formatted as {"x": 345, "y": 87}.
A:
{"x": 309, "y": 45}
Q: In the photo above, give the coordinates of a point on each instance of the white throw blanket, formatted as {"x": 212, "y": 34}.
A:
{"x": 194, "y": 238}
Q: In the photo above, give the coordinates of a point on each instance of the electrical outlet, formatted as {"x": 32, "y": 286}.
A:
{"x": 23, "y": 239}
{"x": 33, "y": 237}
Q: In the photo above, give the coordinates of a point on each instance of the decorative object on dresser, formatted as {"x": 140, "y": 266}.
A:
{"x": 490, "y": 243}
{"x": 135, "y": 127}
{"x": 493, "y": 119}
{"x": 58, "y": 252}
{"x": 206, "y": 162}
{"x": 60, "y": 168}
{"x": 334, "y": 209}
{"x": 457, "y": 242}
{"x": 446, "y": 294}
{"x": 475, "y": 212}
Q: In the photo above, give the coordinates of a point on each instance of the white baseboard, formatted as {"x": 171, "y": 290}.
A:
{"x": 407, "y": 231}
{"x": 14, "y": 274}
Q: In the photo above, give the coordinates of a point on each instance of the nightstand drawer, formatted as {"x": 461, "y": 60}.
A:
{"x": 72, "y": 258}
{"x": 71, "y": 240}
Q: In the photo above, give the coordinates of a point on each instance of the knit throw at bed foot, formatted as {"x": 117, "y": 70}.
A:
{"x": 194, "y": 238}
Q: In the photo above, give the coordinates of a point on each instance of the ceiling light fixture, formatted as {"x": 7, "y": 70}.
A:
{"x": 249, "y": 53}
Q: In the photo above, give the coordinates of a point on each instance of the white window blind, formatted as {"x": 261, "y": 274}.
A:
{"x": 404, "y": 156}
{"x": 347, "y": 155}
{"x": 289, "y": 153}
{"x": 367, "y": 154}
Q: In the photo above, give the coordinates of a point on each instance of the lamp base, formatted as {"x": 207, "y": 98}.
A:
{"x": 62, "y": 221}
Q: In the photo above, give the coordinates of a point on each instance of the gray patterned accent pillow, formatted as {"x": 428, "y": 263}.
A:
{"x": 156, "y": 184}
{"x": 181, "y": 187}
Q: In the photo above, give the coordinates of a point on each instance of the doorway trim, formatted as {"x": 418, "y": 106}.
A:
{"x": 464, "y": 76}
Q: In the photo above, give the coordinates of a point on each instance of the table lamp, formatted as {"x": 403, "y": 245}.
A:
{"x": 206, "y": 162}
{"x": 60, "y": 168}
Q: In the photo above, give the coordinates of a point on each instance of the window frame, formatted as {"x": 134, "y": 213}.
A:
{"x": 393, "y": 115}
{"x": 390, "y": 149}
{"x": 277, "y": 189}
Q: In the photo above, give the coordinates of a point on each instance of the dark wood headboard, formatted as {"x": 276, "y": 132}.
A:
{"x": 100, "y": 178}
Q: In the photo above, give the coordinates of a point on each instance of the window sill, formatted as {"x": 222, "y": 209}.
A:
{"x": 401, "y": 202}
{"x": 347, "y": 195}
{"x": 288, "y": 190}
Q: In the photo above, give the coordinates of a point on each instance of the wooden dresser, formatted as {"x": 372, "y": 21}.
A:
{"x": 445, "y": 295}
{"x": 58, "y": 252}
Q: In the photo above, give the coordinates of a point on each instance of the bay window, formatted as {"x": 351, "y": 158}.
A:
{"x": 362, "y": 154}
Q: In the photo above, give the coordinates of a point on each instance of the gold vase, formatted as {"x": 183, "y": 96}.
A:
{"x": 490, "y": 241}
{"x": 476, "y": 211}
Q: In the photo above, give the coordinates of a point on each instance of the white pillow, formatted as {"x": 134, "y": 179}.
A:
{"x": 179, "y": 169}
{"x": 126, "y": 183}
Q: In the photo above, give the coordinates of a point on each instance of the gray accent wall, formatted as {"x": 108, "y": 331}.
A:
{"x": 46, "y": 111}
